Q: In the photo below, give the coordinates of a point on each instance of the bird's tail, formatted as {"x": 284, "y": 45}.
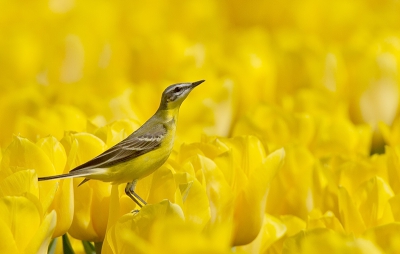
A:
{"x": 56, "y": 177}
{"x": 63, "y": 176}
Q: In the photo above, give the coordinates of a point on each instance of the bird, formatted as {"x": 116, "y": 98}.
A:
{"x": 142, "y": 152}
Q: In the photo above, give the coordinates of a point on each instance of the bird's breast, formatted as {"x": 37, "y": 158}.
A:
{"x": 145, "y": 164}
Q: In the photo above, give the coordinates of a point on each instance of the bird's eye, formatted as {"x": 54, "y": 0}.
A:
{"x": 177, "y": 89}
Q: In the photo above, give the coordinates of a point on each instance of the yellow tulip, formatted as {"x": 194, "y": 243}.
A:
{"x": 326, "y": 220}
{"x": 350, "y": 216}
{"x": 393, "y": 163}
{"x": 271, "y": 232}
{"x": 23, "y": 227}
{"x": 80, "y": 148}
{"x": 386, "y": 237}
{"x": 315, "y": 240}
{"x": 27, "y": 221}
{"x": 20, "y": 165}
{"x": 294, "y": 190}
{"x": 236, "y": 174}
{"x": 161, "y": 228}
{"x": 64, "y": 197}
{"x": 372, "y": 199}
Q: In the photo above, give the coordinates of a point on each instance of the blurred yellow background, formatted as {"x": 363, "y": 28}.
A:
{"x": 65, "y": 61}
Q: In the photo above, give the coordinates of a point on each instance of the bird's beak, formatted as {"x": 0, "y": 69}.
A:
{"x": 194, "y": 84}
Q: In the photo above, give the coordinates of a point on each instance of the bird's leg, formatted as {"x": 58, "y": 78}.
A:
{"x": 130, "y": 191}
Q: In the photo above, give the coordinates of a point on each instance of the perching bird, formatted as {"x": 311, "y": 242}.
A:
{"x": 142, "y": 152}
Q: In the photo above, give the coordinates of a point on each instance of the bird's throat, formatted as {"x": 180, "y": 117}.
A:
{"x": 169, "y": 115}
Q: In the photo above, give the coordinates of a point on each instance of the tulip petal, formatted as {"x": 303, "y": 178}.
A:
{"x": 90, "y": 197}
{"x": 19, "y": 183}
{"x": 184, "y": 190}
{"x": 373, "y": 197}
{"x": 71, "y": 117}
{"x": 271, "y": 231}
{"x": 81, "y": 227}
{"x": 218, "y": 191}
{"x": 22, "y": 154}
{"x": 7, "y": 243}
{"x": 293, "y": 224}
{"x": 122, "y": 239}
{"x": 291, "y": 192}
{"x": 64, "y": 198}
{"x": 313, "y": 241}
{"x": 194, "y": 200}
{"x": 100, "y": 202}
{"x": 395, "y": 207}
{"x": 22, "y": 218}
{"x": 55, "y": 151}
{"x": 393, "y": 166}
{"x": 253, "y": 199}
{"x": 327, "y": 220}
{"x": 86, "y": 146}
{"x": 113, "y": 216}
{"x": 386, "y": 237}
{"x": 349, "y": 215}
{"x": 63, "y": 205}
{"x": 133, "y": 232}
{"x": 162, "y": 186}
{"x": 115, "y": 132}
{"x": 41, "y": 240}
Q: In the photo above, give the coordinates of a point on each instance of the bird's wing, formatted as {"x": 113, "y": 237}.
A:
{"x": 128, "y": 149}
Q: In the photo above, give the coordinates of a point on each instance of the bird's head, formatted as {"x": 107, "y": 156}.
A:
{"x": 174, "y": 95}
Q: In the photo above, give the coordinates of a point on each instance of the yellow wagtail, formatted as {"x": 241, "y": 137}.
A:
{"x": 142, "y": 152}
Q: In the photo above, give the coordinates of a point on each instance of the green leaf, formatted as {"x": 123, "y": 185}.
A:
{"x": 67, "y": 248}
{"x": 88, "y": 247}
{"x": 52, "y": 246}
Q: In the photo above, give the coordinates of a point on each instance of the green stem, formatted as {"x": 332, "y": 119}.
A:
{"x": 98, "y": 247}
